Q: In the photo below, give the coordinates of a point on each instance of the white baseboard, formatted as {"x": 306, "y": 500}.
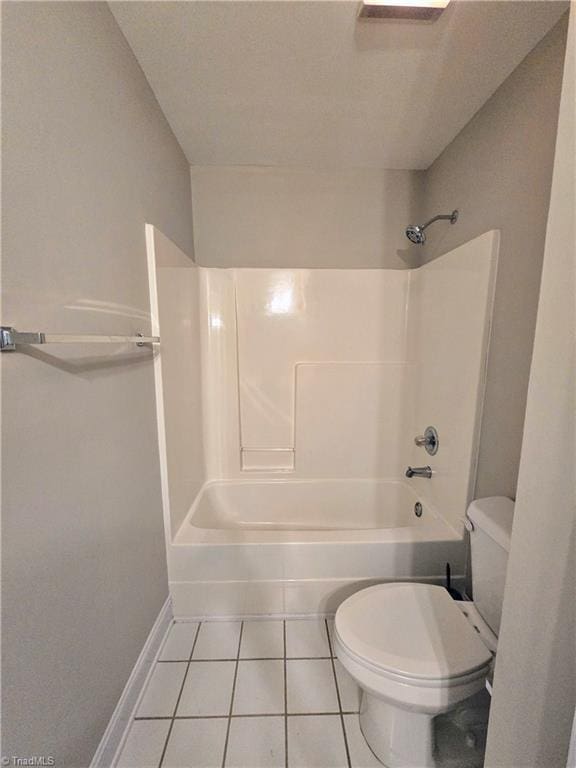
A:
{"x": 113, "y": 737}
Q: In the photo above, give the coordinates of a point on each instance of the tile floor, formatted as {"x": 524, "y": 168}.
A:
{"x": 248, "y": 694}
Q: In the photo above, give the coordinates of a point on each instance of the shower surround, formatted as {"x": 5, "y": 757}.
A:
{"x": 288, "y": 402}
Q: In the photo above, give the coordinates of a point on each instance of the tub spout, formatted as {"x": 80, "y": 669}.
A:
{"x": 419, "y": 472}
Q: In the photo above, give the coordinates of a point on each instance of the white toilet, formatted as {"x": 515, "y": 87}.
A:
{"x": 416, "y": 653}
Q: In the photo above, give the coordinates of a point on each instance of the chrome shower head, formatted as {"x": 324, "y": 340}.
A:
{"x": 415, "y": 233}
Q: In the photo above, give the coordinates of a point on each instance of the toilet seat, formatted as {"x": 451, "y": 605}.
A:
{"x": 411, "y": 633}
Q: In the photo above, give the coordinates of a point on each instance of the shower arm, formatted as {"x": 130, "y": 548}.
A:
{"x": 451, "y": 217}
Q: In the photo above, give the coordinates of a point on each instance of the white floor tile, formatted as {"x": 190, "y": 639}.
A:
{"x": 208, "y": 689}
{"x": 306, "y": 638}
{"x": 178, "y": 645}
{"x": 259, "y": 688}
{"x": 262, "y": 640}
{"x": 350, "y": 693}
{"x": 361, "y": 755}
{"x": 316, "y": 742}
{"x": 256, "y": 742}
{"x": 218, "y": 640}
{"x": 144, "y": 745}
{"x": 196, "y": 744}
{"x": 162, "y": 691}
{"x": 310, "y": 686}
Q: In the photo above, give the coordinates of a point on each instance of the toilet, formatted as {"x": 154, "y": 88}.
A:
{"x": 416, "y": 653}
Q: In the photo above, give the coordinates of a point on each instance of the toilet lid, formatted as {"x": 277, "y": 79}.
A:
{"x": 412, "y": 630}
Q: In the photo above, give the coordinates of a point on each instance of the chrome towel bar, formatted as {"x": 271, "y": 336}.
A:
{"x": 10, "y": 338}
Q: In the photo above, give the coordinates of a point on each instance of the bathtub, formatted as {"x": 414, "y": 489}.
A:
{"x": 292, "y": 547}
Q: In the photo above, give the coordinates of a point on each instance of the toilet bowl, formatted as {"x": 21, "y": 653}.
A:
{"x": 415, "y": 655}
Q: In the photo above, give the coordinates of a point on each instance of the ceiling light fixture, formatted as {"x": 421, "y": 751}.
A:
{"x": 407, "y": 10}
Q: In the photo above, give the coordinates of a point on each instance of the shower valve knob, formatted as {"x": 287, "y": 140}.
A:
{"x": 428, "y": 440}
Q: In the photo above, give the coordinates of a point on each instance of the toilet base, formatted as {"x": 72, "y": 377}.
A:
{"x": 398, "y": 737}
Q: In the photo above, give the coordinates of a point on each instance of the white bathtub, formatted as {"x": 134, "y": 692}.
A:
{"x": 288, "y": 547}
{"x": 305, "y": 505}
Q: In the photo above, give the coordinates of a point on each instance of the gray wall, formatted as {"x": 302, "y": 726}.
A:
{"x": 88, "y": 159}
{"x": 498, "y": 172}
{"x": 535, "y": 680}
{"x": 249, "y": 216}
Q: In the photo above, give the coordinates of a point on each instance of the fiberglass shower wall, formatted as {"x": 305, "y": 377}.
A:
{"x": 311, "y": 366}
{"x": 173, "y": 279}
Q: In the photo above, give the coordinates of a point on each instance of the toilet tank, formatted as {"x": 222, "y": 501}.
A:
{"x": 491, "y": 520}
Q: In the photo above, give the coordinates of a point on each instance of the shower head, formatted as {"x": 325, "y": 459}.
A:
{"x": 415, "y": 233}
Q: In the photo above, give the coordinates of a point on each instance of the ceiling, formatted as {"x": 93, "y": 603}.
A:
{"x": 305, "y": 84}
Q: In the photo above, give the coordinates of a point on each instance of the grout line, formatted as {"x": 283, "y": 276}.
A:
{"x": 285, "y": 699}
{"x": 206, "y": 661}
{"x": 338, "y": 696}
{"x": 313, "y": 714}
{"x": 252, "y": 714}
{"x": 232, "y": 697}
{"x": 179, "y": 697}
{"x": 186, "y": 717}
{"x": 154, "y": 717}
{"x": 332, "y": 651}
{"x": 308, "y": 658}
{"x": 220, "y": 717}
{"x": 247, "y": 658}
{"x": 261, "y": 617}
{"x": 232, "y": 717}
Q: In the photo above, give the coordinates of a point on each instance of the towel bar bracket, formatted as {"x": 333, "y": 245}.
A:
{"x": 9, "y": 337}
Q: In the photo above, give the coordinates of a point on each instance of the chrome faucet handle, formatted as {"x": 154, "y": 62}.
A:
{"x": 428, "y": 440}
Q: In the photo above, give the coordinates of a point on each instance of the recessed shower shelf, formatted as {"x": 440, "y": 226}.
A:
{"x": 10, "y": 338}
